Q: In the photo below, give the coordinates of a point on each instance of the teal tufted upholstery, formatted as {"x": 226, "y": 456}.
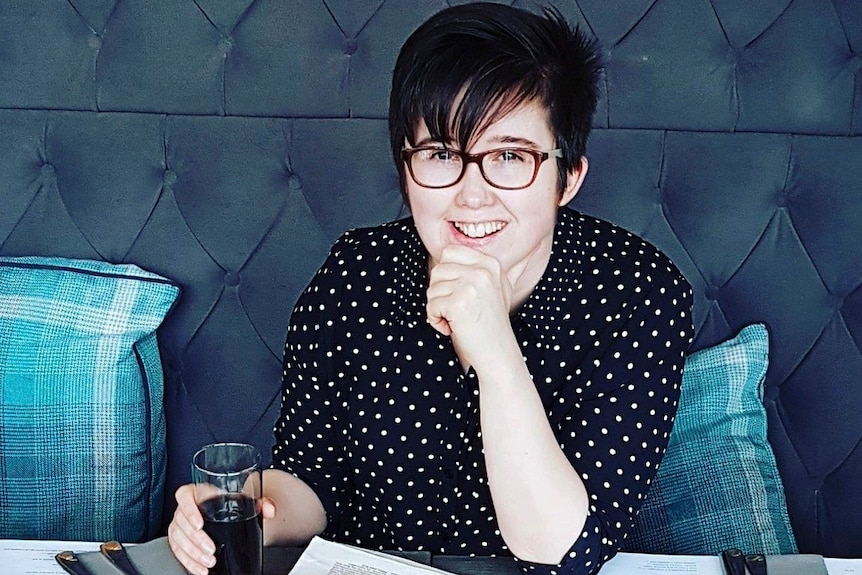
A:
{"x": 225, "y": 144}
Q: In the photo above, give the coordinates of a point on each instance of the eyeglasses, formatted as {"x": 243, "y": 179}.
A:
{"x": 504, "y": 168}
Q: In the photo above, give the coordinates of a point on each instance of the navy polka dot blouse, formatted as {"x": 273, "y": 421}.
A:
{"x": 380, "y": 420}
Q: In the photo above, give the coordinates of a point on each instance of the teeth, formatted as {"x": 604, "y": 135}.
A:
{"x": 478, "y": 230}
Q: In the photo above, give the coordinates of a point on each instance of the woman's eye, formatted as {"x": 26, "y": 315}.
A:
{"x": 510, "y": 156}
{"x": 439, "y": 155}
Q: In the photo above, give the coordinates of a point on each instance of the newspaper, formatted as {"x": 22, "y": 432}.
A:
{"x": 323, "y": 557}
{"x": 35, "y": 557}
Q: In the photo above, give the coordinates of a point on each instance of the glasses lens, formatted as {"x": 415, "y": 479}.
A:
{"x": 435, "y": 167}
{"x": 506, "y": 168}
{"x": 509, "y": 168}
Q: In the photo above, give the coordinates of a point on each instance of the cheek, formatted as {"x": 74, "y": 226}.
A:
{"x": 425, "y": 206}
{"x": 414, "y": 199}
{"x": 535, "y": 208}
{"x": 427, "y": 217}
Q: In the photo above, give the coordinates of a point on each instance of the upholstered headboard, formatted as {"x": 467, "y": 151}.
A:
{"x": 226, "y": 144}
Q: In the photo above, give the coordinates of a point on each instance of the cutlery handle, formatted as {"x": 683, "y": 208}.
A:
{"x": 69, "y": 561}
{"x": 734, "y": 561}
{"x": 756, "y": 563}
{"x": 116, "y": 554}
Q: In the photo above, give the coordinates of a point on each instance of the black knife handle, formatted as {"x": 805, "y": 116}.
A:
{"x": 69, "y": 561}
{"x": 734, "y": 561}
{"x": 116, "y": 554}
{"x": 756, "y": 563}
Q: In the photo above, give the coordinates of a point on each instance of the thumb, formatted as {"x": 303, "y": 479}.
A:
{"x": 267, "y": 508}
{"x": 441, "y": 324}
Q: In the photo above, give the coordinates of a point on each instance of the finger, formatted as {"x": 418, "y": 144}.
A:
{"x": 438, "y": 296}
{"x": 187, "y": 508}
{"x": 480, "y": 273}
{"x": 460, "y": 293}
{"x": 195, "y": 535}
{"x": 267, "y": 508}
{"x": 188, "y": 559}
{"x": 435, "y": 311}
{"x": 456, "y": 253}
{"x": 441, "y": 324}
{"x": 447, "y": 271}
{"x": 193, "y": 558}
{"x": 189, "y": 520}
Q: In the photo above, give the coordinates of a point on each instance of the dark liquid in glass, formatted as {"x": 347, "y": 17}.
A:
{"x": 234, "y": 524}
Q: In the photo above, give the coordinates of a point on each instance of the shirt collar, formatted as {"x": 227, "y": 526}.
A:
{"x": 409, "y": 277}
{"x": 545, "y": 310}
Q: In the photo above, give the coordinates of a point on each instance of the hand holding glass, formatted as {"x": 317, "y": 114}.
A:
{"x": 228, "y": 488}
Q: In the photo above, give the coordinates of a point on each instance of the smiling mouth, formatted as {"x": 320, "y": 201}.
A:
{"x": 478, "y": 230}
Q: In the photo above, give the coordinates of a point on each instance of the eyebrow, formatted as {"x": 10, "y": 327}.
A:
{"x": 516, "y": 140}
{"x": 508, "y": 140}
{"x": 427, "y": 142}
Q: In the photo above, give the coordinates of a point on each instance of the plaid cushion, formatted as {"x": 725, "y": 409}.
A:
{"x": 82, "y": 424}
{"x": 718, "y": 485}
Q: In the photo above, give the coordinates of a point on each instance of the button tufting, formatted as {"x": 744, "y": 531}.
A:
{"x": 815, "y": 483}
{"x": 835, "y": 301}
{"x": 294, "y": 182}
{"x": 350, "y": 46}
{"x": 732, "y": 55}
{"x": 169, "y": 177}
{"x": 94, "y": 42}
{"x": 47, "y": 170}
{"x": 47, "y": 173}
{"x": 226, "y": 44}
{"x": 711, "y": 293}
{"x": 231, "y": 279}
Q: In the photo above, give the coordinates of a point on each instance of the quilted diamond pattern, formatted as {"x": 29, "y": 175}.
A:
{"x": 226, "y": 144}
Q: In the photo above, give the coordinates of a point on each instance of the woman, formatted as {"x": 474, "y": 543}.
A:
{"x": 497, "y": 374}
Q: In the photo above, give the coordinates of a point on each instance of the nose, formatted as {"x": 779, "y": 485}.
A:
{"x": 473, "y": 190}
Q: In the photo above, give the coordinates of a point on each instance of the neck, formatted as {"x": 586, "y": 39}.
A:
{"x": 526, "y": 276}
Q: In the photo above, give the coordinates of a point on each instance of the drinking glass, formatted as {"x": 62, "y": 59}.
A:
{"x": 228, "y": 486}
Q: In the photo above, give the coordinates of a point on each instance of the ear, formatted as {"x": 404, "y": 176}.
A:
{"x": 574, "y": 179}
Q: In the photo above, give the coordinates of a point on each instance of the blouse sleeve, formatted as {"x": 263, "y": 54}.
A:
{"x": 615, "y": 435}
{"x": 310, "y": 430}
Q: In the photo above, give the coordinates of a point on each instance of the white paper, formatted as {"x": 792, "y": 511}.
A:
{"x": 843, "y": 566}
{"x": 327, "y": 558}
{"x": 632, "y": 563}
{"x": 26, "y": 557}
{"x": 323, "y": 557}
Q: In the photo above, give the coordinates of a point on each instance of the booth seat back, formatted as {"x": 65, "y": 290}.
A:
{"x": 225, "y": 145}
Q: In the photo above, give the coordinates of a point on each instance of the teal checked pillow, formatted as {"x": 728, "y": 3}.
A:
{"x": 718, "y": 484}
{"x": 82, "y": 429}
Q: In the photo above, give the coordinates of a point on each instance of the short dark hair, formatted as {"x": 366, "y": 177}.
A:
{"x": 499, "y": 57}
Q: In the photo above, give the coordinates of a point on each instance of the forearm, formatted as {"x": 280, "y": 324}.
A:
{"x": 539, "y": 498}
{"x": 299, "y": 515}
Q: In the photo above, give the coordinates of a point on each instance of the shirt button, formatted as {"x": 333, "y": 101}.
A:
{"x": 447, "y": 473}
